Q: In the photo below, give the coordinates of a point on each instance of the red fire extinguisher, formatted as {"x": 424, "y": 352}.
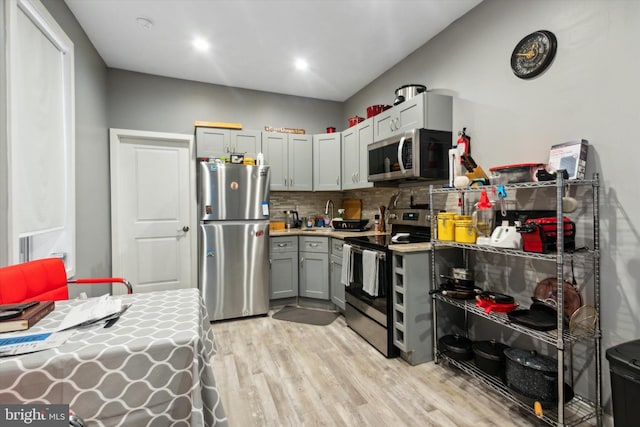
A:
{"x": 464, "y": 142}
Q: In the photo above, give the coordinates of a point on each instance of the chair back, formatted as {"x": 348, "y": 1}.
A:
{"x": 39, "y": 280}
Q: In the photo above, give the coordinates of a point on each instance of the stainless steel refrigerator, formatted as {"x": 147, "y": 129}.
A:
{"x": 233, "y": 239}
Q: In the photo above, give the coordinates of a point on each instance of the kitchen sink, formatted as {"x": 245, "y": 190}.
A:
{"x": 320, "y": 230}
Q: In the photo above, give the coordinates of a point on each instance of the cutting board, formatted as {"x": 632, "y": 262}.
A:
{"x": 352, "y": 208}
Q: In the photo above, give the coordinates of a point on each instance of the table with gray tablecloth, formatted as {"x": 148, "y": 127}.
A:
{"x": 151, "y": 368}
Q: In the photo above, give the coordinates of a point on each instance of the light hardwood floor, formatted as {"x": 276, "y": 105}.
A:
{"x": 277, "y": 373}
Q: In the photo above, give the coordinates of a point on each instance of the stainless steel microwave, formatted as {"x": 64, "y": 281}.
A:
{"x": 414, "y": 154}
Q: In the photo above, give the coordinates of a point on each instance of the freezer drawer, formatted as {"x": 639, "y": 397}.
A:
{"x": 234, "y": 268}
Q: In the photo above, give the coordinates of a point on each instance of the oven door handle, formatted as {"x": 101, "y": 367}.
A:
{"x": 400, "y": 162}
{"x": 380, "y": 255}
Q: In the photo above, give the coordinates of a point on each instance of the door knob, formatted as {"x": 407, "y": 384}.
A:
{"x": 185, "y": 228}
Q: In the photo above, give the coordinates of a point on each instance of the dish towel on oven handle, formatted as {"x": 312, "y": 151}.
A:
{"x": 370, "y": 272}
{"x": 347, "y": 265}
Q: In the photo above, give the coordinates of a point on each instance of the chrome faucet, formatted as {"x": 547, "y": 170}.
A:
{"x": 326, "y": 209}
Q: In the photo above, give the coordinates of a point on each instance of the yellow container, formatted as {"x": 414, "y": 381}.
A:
{"x": 446, "y": 225}
{"x": 465, "y": 231}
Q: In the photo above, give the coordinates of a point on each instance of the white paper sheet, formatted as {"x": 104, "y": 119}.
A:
{"x": 28, "y": 343}
{"x": 91, "y": 310}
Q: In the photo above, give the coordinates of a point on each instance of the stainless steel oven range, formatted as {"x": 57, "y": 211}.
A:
{"x": 371, "y": 315}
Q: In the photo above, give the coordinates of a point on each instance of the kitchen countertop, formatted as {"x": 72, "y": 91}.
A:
{"x": 322, "y": 231}
{"x": 411, "y": 247}
{"x": 329, "y": 232}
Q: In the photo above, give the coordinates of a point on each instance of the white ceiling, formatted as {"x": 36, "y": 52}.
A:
{"x": 347, "y": 43}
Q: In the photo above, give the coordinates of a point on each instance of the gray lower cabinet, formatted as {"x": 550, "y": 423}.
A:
{"x": 283, "y": 259}
{"x": 412, "y": 306}
{"x": 313, "y": 266}
{"x": 335, "y": 273}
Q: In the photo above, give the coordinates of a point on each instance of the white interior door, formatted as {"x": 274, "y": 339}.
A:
{"x": 153, "y": 210}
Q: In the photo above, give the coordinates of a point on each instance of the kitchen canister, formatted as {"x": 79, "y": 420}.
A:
{"x": 465, "y": 232}
{"x": 446, "y": 226}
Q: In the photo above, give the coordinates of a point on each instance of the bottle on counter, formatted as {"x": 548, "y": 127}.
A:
{"x": 376, "y": 223}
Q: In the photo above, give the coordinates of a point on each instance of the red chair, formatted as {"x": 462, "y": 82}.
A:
{"x": 42, "y": 280}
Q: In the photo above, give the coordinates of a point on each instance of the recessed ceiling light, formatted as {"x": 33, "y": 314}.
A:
{"x": 301, "y": 64}
{"x": 145, "y": 23}
{"x": 200, "y": 44}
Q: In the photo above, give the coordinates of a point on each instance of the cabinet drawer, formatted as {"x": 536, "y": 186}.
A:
{"x": 314, "y": 244}
{"x": 336, "y": 247}
{"x": 283, "y": 244}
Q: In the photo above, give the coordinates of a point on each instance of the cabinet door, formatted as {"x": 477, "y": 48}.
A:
{"x": 247, "y": 142}
{"x": 326, "y": 162}
{"x": 410, "y": 114}
{"x": 212, "y": 142}
{"x": 314, "y": 275}
{"x": 337, "y": 288}
{"x": 300, "y": 163}
{"x": 274, "y": 147}
{"x": 350, "y": 158}
{"x": 383, "y": 124}
{"x": 283, "y": 278}
{"x": 365, "y": 137}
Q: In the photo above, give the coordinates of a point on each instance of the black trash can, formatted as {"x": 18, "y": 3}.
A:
{"x": 624, "y": 367}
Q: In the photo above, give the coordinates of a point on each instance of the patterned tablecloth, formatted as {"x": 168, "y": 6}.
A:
{"x": 151, "y": 368}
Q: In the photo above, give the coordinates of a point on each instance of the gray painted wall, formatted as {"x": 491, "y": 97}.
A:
{"x": 591, "y": 91}
{"x": 146, "y": 102}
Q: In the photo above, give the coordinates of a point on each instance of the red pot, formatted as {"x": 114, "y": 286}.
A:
{"x": 331, "y": 129}
{"x": 376, "y": 109}
{"x": 355, "y": 120}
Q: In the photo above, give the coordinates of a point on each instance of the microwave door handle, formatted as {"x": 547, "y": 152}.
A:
{"x": 400, "y": 147}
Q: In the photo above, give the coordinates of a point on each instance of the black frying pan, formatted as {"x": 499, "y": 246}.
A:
{"x": 456, "y": 292}
{"x": 462, "y": 283}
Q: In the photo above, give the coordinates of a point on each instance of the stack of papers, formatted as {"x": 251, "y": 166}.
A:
{"x": 91, "y": 311}
{"x": 86, "y": 313}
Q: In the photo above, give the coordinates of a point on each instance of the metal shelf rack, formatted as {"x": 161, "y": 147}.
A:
{"x": 579, "y": 409}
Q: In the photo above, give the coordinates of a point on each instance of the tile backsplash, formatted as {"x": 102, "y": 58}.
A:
{"x": 313, "y": 203}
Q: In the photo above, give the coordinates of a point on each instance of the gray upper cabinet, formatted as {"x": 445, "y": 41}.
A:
{"x": 216, "y": 142}
{"x": 291, "y": 161}
{"x": 327, "y": 170}
{"x": 247, "y": 142}
{"x": 427, "y": 110}
{"x": 355, "y": 156}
